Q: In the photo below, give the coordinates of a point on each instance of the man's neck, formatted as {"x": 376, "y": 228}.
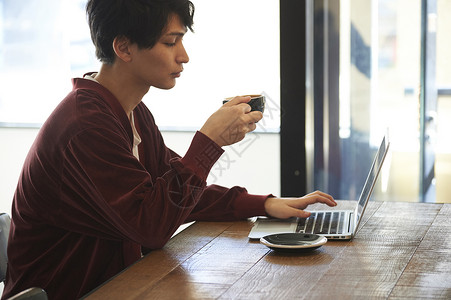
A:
{"x": 121, "y": 84}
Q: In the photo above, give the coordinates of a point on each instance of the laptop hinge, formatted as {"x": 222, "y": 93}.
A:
{"x": 351, "y": 223}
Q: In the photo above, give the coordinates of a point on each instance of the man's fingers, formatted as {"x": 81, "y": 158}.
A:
{"x": 303, "y": 214}
{"x": 283, "y": 208}
{"x": 237, "y": 100}
{"x": 254, "y": 116}
{"x": 315, "y": 197}
{"x": 319, "y": 196}
{"x": 289, "y": 211}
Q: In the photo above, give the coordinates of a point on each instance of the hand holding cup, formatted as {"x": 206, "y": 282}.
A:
{"x": 231, "y": 123}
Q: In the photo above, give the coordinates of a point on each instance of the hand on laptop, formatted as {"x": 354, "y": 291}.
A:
{"x": 284, "y": 208}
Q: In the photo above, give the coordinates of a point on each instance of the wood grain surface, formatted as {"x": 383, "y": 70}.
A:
{"x": 402, "y": 250}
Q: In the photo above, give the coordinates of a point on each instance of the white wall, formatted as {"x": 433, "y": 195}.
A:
{"x": 14, "y": 145}
{"x": 254, "y": 163}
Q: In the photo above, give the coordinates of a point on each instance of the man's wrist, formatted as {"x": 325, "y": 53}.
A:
{"x": 202, "y": 155}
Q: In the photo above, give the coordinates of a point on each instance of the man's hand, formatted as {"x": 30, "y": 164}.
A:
{"x": 284, "y": 208}
{"x": 231, "y": 122}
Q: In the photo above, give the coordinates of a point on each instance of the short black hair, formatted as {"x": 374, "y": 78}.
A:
{"x": 141, "y": 21}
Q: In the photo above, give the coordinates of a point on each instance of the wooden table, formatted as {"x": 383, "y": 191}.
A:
{"x": 403, "y": 250}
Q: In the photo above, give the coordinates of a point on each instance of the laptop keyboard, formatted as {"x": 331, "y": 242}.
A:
{"x": 322, "y": 223}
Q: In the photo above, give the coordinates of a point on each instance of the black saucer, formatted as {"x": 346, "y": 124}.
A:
{"x": 293, "y": 242}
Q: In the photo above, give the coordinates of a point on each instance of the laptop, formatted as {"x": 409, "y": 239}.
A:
{"x": 333, "y": 224}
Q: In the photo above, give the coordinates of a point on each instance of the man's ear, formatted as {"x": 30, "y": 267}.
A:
{"x": 121, "y": 46}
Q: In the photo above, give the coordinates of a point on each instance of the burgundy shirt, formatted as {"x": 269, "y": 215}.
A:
{"x": 85, "y": 206}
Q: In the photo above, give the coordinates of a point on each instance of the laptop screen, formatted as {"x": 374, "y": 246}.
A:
{"x": 371, "y": 179}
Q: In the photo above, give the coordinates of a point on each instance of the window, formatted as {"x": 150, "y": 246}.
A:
{"x": 380, "y": 64}
{"x": 234, "y": 50}
{"x": 42, "y": 45}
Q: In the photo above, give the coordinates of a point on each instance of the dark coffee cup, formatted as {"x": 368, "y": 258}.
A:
{"x": 257, "y": 102}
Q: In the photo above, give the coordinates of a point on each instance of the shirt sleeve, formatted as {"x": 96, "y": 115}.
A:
{"x": 223, "y": 204}
{"x": 110, "y": 194}
{"x": 218, "y": 203}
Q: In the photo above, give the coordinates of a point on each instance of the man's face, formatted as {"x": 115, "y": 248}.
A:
{"x": 163, "y": 63}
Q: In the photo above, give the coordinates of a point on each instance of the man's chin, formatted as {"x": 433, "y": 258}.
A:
{"x": 165, "y": 86}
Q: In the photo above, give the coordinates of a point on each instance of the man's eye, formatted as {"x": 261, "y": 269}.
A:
{"x": 170, "y": 44}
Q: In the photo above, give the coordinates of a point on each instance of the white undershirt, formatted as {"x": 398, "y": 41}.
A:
{"x": 136, "y": 137}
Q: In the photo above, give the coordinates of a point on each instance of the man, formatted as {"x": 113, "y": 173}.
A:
{"x": 99, "y": 186}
